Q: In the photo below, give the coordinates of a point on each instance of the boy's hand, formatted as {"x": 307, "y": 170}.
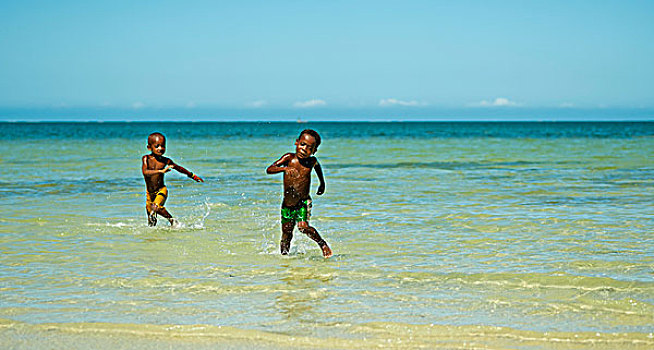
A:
{"x": 167, "y": 169}
{"x": 321, "y": 189}
{"x": 197, "y": 178}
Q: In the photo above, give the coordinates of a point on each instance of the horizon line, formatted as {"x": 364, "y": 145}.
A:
{"x": 395, "y": 114}
{"x": 286, "y": 121}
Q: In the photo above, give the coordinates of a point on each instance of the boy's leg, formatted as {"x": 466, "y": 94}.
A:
{"x": 314, "y": 235}
{"x": 163, "y": 212}
{"x": 287, "y": 236}
{"x": 152, "y": 216}
{"x": 158, "y": 206}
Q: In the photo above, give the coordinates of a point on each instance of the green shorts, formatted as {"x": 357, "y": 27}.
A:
{"x": 301, "y": 212}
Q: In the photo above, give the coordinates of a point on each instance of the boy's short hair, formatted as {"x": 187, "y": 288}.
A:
{"x": 313, "y": 133}
{"x": 155, "y": 134}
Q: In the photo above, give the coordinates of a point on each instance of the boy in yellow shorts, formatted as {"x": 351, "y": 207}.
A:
{"x": 296, "y": 206}
{"x": 155, "y": 165}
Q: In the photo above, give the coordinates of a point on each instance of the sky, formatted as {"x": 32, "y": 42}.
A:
{"x": 262, "y": 59}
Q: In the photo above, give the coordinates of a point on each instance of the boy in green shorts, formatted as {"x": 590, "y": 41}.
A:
{"x": 296, "y": 206}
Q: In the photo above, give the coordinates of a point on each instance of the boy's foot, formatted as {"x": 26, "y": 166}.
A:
{"x": 174, "y": 223}
{"x": 326, "y": 252}
{"x": 152, "y": 218}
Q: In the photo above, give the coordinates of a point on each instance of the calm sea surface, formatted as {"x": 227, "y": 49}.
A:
{"x": 446, "y": 235}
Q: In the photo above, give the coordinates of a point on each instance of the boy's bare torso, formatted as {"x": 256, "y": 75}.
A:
{"x": 154, "y": 182}
{"x": 297, "y": 179}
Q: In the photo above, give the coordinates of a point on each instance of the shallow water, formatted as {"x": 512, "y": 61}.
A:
{"x": 495, "y": 235}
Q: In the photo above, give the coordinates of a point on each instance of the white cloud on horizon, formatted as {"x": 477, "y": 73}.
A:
{"x": 310, "y": 103}
{"x": 498, "y": 102}
{"x": 388, "y": 102}
{"x": 138, "y": 105}
{"x": 258, "y": 103}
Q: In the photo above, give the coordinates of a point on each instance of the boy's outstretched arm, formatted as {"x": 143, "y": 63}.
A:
{"x": 279, "y": 165}
{"x": 184, "y": 171}
{"x": 321, "y": 187}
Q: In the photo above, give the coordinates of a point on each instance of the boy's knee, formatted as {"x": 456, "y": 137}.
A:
{"x": 309, "y": 231}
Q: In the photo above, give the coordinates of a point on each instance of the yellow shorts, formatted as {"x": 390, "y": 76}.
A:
{"x": 158, "y": 198}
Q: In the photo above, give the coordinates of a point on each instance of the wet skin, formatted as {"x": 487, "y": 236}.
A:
{"x": 154, "y": 166}
{"x": 297, "y": 185}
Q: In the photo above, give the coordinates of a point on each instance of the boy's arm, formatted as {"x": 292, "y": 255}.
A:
{"x": 184, "y": 171}
{"x": 150, "y": 172}
{"x": 321, "y": 187}
{"x": 279, "y": 165}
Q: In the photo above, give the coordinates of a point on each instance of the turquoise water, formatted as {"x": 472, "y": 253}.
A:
{"x": 455, "y": 235}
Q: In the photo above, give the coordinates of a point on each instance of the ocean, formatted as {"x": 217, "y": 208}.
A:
{"x": 534, "y": 235}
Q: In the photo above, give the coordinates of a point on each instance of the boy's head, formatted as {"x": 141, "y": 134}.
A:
{"x": 157, "y": 143}
{"x": 307, "y": 143}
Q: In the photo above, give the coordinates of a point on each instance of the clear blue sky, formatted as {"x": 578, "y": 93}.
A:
{"x": 312, "y": 55}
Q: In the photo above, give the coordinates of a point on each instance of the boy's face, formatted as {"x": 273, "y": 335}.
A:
{"x": 157, "y": 144}
{"x": 305, "y": 146}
